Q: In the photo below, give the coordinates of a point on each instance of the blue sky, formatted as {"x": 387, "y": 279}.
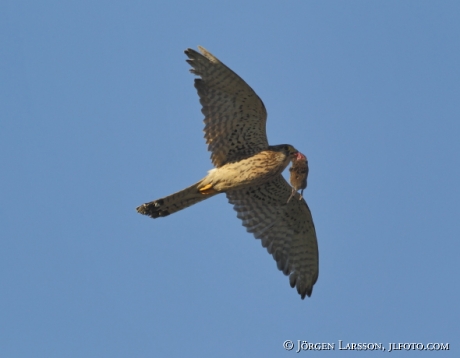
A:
{"x": 98, "y": 114}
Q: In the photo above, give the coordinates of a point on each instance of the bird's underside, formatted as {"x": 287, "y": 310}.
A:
{"x": 249, "y": 171}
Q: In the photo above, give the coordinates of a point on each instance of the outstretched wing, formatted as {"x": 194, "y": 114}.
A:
{"x": 285, "y": 228}
{"x": 235, "y": 116}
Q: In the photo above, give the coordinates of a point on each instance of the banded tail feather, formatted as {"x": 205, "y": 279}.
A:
{"x": 177, "y": 201}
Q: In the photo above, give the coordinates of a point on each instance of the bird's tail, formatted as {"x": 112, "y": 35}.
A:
{"x": 177, "y": 201}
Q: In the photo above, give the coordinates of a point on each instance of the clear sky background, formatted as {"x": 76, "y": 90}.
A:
{"x": 98, "y": 114}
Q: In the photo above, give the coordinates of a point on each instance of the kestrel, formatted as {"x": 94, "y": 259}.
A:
{"x": 299, "y": 174}
{"x": 248, "y": 170}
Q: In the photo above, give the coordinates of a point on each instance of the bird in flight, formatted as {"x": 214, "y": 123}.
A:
{"x": 248, "y": 170}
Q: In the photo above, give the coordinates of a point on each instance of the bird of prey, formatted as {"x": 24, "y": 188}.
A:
{"x": 299, "y": 174}
{"x": 248, "y": 170}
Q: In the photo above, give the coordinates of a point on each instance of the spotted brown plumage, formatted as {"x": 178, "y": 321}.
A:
{"x": 235, "y": 116}
{"x": 285, "y": 229}
{"x": 249, "y": 171}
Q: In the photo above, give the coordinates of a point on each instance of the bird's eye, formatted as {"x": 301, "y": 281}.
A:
{"x": 286, "y": 148}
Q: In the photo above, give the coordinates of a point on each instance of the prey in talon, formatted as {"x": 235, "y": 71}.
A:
{"x": 299, "y": 173}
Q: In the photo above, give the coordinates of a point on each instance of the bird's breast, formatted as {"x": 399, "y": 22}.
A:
{"x": 254, "y": 170}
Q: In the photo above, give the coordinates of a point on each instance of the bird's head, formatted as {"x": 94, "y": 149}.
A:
{"x": 287, "y": 149}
